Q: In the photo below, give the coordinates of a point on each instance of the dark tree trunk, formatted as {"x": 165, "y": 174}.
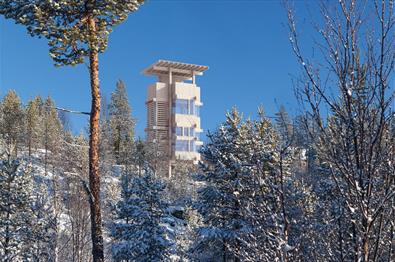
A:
{"x": 223, "y": 251}
{"x": 94, "y": 175}
{"x": 30, "y": 144}
{"x": 282, "y": 199}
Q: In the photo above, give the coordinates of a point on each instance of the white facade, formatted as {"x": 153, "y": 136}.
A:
{"x": 173, "y": 106}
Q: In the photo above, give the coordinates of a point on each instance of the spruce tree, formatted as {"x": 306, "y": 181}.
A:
{"x": 240, "y": 201}
{"x": 283, "y": 125}
{"x": 76, "y": 30}
{"x": 221, "y": 200}
{"x": 121, "y": 123}
{"x": 138, "y": 233}
{"x": 15, "y": 213}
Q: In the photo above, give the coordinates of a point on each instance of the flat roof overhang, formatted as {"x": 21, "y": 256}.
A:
{"x": 177, "y": 68}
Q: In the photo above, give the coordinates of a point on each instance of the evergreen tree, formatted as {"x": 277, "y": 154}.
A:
{"x": 284, "y": 125}
{"x": 15, "y": 213}
{"x": 76, "y": 30}
{"x": 219, "y": 201}
{"x": 241, "y": 202}
{"x": 32, "y": 123}
{"x": 11, "y": 124}
{"x": 121, "y": 123}
{"x": 43, "y": 223}
{"x": 105, "y": 146}
{"x": 180, "y": 187}
{"x": 138, "y": 232}
{"x": 52, "y": 133}
{"x": 140, "y": 155}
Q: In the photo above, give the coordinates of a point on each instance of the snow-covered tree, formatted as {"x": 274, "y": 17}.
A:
{"x": 51, "y": 133}
{"x": 32, "y": 123}
{"x": 121, "y": 123}
{"x": 181, "y": 187}
{"x": 11, "y": 123}
{"x": 43, "y": 223}
{"x": 187, "y": 234}
{"x": 137, "y": 232}
{"x": 348, "y": 93}
{"x": 241, "y": 202}
{"x": 73, "y": 201}
{"x": 77, "y": 30}
{"x": 15, "y": 212}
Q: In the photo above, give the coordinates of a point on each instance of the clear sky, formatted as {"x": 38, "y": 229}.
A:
{"x": 244, "y": 43}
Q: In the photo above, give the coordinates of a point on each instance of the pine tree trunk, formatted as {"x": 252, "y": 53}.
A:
{"x": 366, "y": 248}
{"x": 30, "y": 145}
{"x": 94, "y": 175}
{"x": 55, "y": 213}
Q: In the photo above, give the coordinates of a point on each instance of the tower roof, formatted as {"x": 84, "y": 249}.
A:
{"x": 177, "y": 68}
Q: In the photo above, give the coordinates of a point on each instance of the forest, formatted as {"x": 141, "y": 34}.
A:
{"x": 315, "y": 186}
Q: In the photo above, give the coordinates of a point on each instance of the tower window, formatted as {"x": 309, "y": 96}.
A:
{"x": 186, "y": 107}
{"x": 182, "y": 145}
{"x": 178, "y": 131}
{"x": 180, "y": 106}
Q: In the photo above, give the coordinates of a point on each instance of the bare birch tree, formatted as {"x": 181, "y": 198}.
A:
{"x": 348, "y": 94}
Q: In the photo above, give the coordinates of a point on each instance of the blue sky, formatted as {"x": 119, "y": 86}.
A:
{"x": 245, "y": 44}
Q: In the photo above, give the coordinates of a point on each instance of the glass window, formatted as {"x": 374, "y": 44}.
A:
{"x": 192, "y": 107}
{"x": 186, "y": 133}
{"x": 194, "y": 147}
{"x": 182, "y": 145}
{"x": 197, "y": 135}
{"x": 186, "y": 107}
{"x": 181, "y": 106}
{"x": 197, "y": 111}
{"x": 192, "y": 131}
{"x": 178, "y": 131}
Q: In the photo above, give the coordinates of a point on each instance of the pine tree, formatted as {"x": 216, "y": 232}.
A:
{"x": 15, "y": 212}
{"x": 52, "y": 133}
{"x": 76, "y": 30}
{"x": 121, "y": 123}
{"x": 11, "y": 124}
{"x": 138, "y": 233}
{"x": 32, "y": 124}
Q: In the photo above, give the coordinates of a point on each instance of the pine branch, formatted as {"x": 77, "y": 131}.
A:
{"x": 71, "y": 111}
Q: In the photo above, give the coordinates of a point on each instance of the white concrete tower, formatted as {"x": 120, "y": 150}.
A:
{"x": 173, "y": 104}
